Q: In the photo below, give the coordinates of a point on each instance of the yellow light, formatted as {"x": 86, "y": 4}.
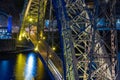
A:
{"x": 39, "y": 41}
{"x": 44, "y": 38}
{"x": 41, "y": 34}
{"x": 20, "y": 38}
{"x": 20, "y": 66}
{"x": 53, "y": 48}
{"x": 23, "y": 34}
{"x": 30, "y": 19}
{"x": 50, "y": 56}
{"x": 36, "y": 48}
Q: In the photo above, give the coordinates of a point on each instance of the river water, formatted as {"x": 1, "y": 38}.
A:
{"x": 22, "y": 66}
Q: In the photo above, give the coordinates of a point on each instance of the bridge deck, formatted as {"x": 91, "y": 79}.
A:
{"x": 53, "y": 61}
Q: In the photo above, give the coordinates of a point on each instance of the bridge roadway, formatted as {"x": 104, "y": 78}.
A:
{"x": 52, "y": 60}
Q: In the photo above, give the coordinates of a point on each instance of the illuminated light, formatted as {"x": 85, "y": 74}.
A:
{"x": 4, "y": 65}
{"x": 5, "y": 68}
{"x": 44, "y": 38}
{"x": 20, "y": 38}
{"x": 53, "y": 48}
{"x": 47, "y": 22}
{"x": 40, "y": 70}
{"x": 20, "y": 66}
{"x": 36, "y": 48}
{"x": 101, "y": 22}
{"x": 30, "y": 61}
{"x": 30, "y": 19}
{"x": 39, "y": 41}
{"x": 41, "y": 34}
{"x": 30, "y": 67}
{"x": 118, "y": 21}
{"x": 50, "y": 56}
{"x": 23, "y": 35}
{"x": 9, "y": 24}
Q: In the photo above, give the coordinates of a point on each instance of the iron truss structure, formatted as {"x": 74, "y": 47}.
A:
{"x": 89, "y": 36}
{"x": 33, "y": 14}
{"x": 32, "y": 29}
{"x": 88, "y": 33}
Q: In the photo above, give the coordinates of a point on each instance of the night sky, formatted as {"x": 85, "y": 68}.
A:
{"x": 12, "y": 7}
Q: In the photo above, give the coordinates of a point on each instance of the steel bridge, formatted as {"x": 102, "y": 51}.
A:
{"x": 88, "y": 36}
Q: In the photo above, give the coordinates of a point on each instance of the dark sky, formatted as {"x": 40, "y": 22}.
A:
{"x": 12, "y": 7}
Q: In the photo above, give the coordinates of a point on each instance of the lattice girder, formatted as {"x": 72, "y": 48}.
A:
{"x": 84, "y": 45}
{"x": 34, "y": 10}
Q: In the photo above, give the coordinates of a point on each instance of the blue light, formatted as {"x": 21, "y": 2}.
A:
{"x": 47, "y": 23}
{"x": 118, "y": 23}
{"x": 101, "y": 22}
{"x": 9, "y": 24}
{"x": 30, "y": 61}
{"x": 30, "y": 69}
{"x": 5, "y": 69}
{"x": 5, "y": 65}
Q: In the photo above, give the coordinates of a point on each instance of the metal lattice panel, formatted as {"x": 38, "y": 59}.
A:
{"x": 35, "y": 10}
{"x": 90, "y": 47}
{"x": 87, "y": 52}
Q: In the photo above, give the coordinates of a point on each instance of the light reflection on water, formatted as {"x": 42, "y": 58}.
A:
{"x": 22, "y": 67}
{"x": 30, "y": 69}
{"x": 19, "y": 67}
{"x": 4, "y": 68}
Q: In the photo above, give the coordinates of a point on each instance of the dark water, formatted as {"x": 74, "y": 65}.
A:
{"x": 22, "y": 66}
